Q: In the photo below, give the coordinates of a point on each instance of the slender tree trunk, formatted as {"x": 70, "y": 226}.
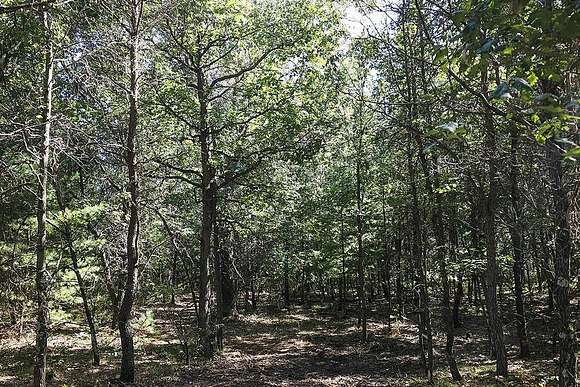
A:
{"x": 518, "y": 247}
{"x": 343, "y": 261}
{"x": 41, "y": 208}
{"x": 495, "y": 323}
{"x": 360, "y": 251}
{"x": 286, "y": 281}
{"x": 125, "y": 330}
{"x": 425, "y": 335}
{"x": 217, "y": 284}
{"x": 438, "y": 230}
{"x": 457, "y": 302}
{"x": 66, "y": 231}
{"x": 108, "y": 279}
{"x": 567, "y": 366}
{"x": 399, "y": 280}
{"x": 387, "y": 262}
{"x": 459, "y": 288}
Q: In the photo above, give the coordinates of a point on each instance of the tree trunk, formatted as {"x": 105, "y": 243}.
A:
{"x": 495, "y": 323}
{"x": 399, "y": 279}
{"x": 41, "y": 209}
{"x": 217, "y": 284}
{"x": 425, "y": 335}
{"x": 66, "y": 231}
{"x": 208, "y": 198}
{"x": 229, "y": 285}
{"x": 386, "y": 280}
{"x": 438, "y": 230}
{"x": 343, "y": 266}
{"x": 518, "y": 247}
{"x": 125, "y": 310}
{"x": 362, "y": 300}
{"x": 567, "y": 366}
{"x": 286, "y": 282}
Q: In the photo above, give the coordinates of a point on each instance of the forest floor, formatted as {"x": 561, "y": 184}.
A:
{"x": 300, "y": 347}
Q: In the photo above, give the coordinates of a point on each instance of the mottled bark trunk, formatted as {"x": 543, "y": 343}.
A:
{"x": 567, "y": 365}
{"x": 127, "y": 374}
{"x": 41, "y": 209}
{"x": 208, "y": 199}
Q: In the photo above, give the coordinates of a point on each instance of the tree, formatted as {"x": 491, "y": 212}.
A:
{"x": 42, "y": 280}
{"x": 135, "y": 14}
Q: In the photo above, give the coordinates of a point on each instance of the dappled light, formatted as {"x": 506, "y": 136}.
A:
{"x": 289, "y": 193}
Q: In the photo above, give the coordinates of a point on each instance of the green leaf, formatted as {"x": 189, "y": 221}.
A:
{"x": 573, "y": 153}
{"x": 508, "y": 51}
{"x": 533, "y": 79}
{"x": 441, "y": 56}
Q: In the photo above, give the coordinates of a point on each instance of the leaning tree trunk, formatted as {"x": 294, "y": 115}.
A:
{"x": 41, "y": 208}
{"x": 124, "y": 322}
{"x": 66, "y": 231}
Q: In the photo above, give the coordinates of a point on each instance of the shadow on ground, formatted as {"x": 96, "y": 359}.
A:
{"x": 299, "y": 347}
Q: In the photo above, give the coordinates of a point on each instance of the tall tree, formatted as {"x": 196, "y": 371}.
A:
{"x": 135, "y": 12}
{"x": 42, "y": 279}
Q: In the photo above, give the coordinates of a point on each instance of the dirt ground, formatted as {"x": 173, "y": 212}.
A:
{"x": 300, "y": 347}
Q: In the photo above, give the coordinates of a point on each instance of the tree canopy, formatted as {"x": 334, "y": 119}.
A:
{"x": 183, "y": 181}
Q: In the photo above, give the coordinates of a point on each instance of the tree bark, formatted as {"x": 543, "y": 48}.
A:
{"x": 361, "y": 293}
{"x": 208, "y": 199}
{"x": 495, "y": 323}
{"x": 217, "y": 284}
{"x": 567, "y": 365}
{"x": 125, "y": 330}
{"x": 425, "y": 334}
{"x": 438, "y": 230}
{"x": 518, "y": 247}
{"x": 386, "y": 280}
{"x": 41, "y": 211}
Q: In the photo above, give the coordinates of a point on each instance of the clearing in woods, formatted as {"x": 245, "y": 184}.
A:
{"x": 300, "y": 347}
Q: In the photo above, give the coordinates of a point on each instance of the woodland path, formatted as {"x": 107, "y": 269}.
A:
{"x": 300, "y": 347}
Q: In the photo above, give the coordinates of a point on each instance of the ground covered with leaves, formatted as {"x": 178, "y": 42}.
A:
{"x": 304, "y": 346}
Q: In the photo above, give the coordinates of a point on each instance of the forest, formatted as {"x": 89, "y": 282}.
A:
{"x": 289, "y": 192}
